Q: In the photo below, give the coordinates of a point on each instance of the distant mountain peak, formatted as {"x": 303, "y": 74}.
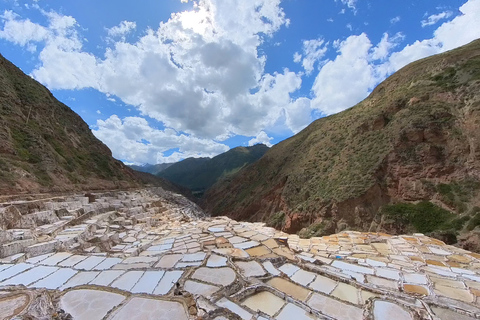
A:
{"x": 198, "y": 174}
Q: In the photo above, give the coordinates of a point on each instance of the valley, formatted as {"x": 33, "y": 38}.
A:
{"x": 370, "y": 213}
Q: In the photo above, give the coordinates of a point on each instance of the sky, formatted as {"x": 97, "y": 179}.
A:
{"x": 163, "y": 80}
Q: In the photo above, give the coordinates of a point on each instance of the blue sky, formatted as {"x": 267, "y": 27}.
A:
{"x": 159, "y": 81}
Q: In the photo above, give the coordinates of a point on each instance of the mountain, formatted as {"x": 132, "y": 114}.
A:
{"x": 199, "y": 174}
{"x": 406, "y": 159}
{"x": 151, "y": 168}
{"x": 46, "y": 147}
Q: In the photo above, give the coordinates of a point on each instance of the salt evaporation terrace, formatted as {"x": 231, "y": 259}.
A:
{"x": 150, "y": 254}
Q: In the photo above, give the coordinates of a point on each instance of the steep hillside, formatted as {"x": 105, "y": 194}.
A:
{"x": 151, "y": 168}
{"x": 45, "y": 146}
{"x": 199, "y": 174}
{"x": 415, "y": 138}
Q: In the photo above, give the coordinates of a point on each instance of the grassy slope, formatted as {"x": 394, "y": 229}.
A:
{"x": 419, "y": 124}
{"x": 45, "y": 146}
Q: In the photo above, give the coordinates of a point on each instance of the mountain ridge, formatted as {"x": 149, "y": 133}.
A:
{"x": 414, "y": 134}
{"x": 198, "y": 174}
{"x": 150, "y": 168}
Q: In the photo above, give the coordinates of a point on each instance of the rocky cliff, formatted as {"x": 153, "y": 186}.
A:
{"x": 408, "y": 152}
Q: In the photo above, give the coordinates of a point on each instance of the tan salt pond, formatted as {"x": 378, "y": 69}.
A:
{"x": 264, "y": 301}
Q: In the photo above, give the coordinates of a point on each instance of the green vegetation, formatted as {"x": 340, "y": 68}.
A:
{"x": 475, "y": 219}
{"x": 426, "y": 217}
{"x": 457, "y": 194}
{"x": 422, "y": 217}
{"x": 472, "y": 67}
{"x": 102, "y": 165}
{"x": 277, "y": 220}
{"x": 29, "y": 92}
{"x": 26, "y": 146}
{"x": 5, "y": 174}
{"x": 446, "y": 79}
{"x": 42, "y": 177}
{"x": 314, "y": 230}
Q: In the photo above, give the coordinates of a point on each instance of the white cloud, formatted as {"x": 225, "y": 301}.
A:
{"x": 434, "y": 18}
{"x": 359, "y": 66}
{"x": 21, "y": 32}
{"x": 313, "y": 51}
{"x": 121, "y": 30}
{"x": 64, "y": 64}
{"x": 410, "y": 53}
{"x": 395, "y": 20}
{"x": 451, "y": 34}
{"x": 385, "y": 46}
{"x": 176, "y": 73}
{"x": 297, "y": 57}
{"x": 350, "y": 3}
{"x": 262, "y": 137}
{"x": 462, "y": 29}
{"x": 346, "y": 80}
{"x": 134, "y": 139}
{"x": 298, "y": 114}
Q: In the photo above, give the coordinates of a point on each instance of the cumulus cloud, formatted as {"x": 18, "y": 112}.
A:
{"x": 202, "y": 74}
{"x": 121, "y": 30}
{"x": 61, "y": 53}
{"x": 64, "y": 64}
{"x": 262, "y": 137}
{"x": 434, "y": 18}
{"x": 462, "y": 29}
{"x": 297, "y": 57}
{"x": 176, "y": 74}
{"x": 313, "y": 51}
{"x": 298, "y": 114}
{"x": 21, "y": 32}
{"x": 347, "y": 79}
{"x": 385, "y": 46}
{"x": 134, "y": 139}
